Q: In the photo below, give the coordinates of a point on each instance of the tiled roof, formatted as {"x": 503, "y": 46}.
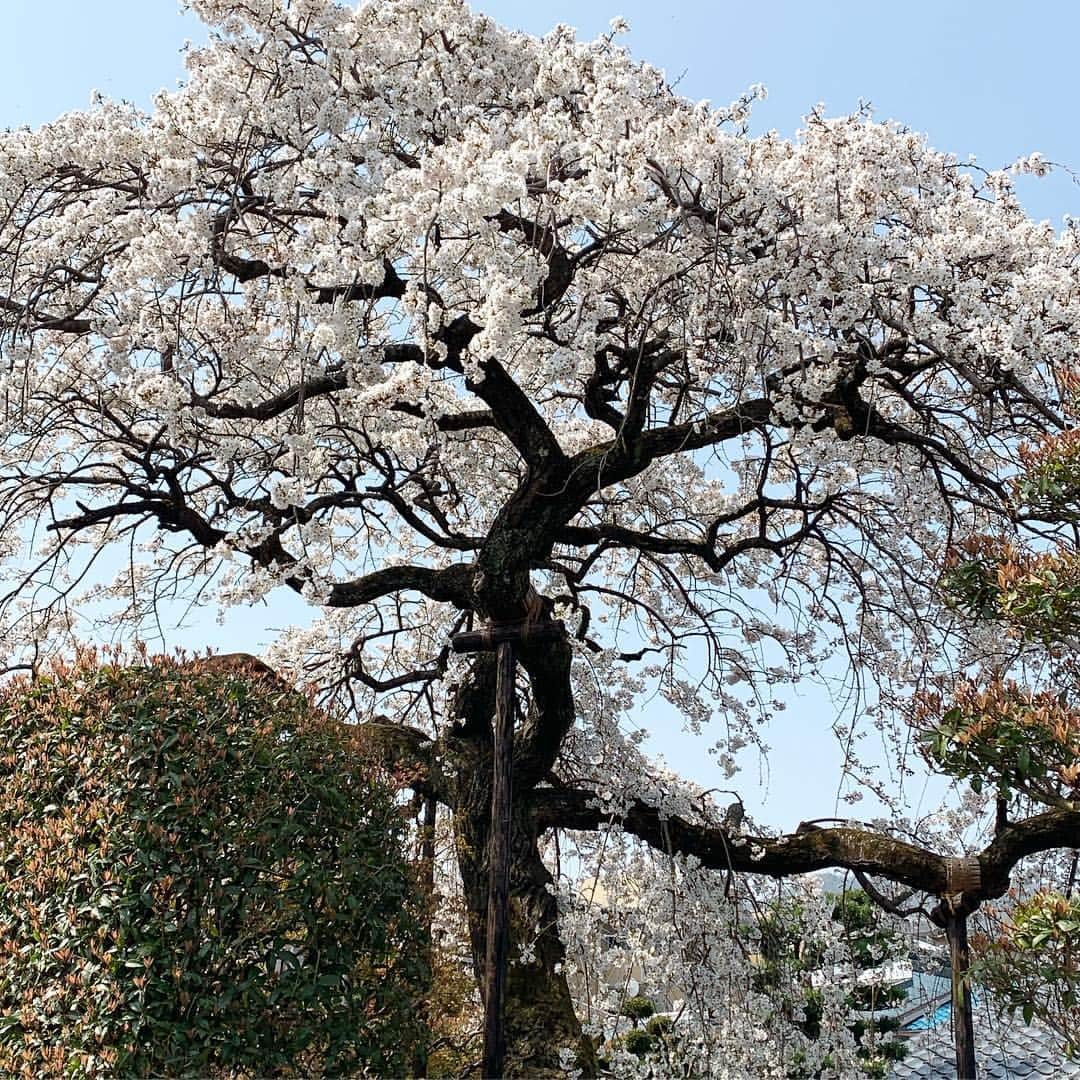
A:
{"x": 1005, "y": 1049}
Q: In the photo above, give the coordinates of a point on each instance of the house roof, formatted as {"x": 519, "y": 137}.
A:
{"x": 1005, "y": 1049}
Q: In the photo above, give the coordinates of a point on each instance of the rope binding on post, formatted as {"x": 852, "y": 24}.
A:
{"x": 963, "y": 877}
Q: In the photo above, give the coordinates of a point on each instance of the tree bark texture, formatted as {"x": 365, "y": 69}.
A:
{"x": 539, "y": 1012}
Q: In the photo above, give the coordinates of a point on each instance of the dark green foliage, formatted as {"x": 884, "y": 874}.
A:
{"x": 660, "y": 1026}
{"x": 638, "y": 1042}
{"x": 637, "y": 1008}
{"x": 198, "y": 876}
{"x": 656, "y": 1040}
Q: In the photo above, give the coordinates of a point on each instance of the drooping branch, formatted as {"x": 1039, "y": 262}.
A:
{"x": 451, "y": 584}
{"x": 866, "y": 420}
{"x": 705, "y": 548}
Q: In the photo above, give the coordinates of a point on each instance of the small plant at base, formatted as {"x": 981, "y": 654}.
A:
{"x": 638, "y": 1042}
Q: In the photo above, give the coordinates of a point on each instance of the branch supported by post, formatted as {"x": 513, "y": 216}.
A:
{"x": 962, "y": 1018}
{"x": 501, "y": 637}
{"x": 964, "y": 883}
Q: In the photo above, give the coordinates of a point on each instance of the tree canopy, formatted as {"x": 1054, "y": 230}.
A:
{"x": 434, "y": 323}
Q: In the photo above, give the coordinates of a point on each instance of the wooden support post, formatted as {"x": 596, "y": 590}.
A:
{"x": 499, "y": 875}
{"x": 427, "y": 889}
{"x": 963, "y": 887}
{"x": 962, "y": 1018}
{"x": 501, "y": 637}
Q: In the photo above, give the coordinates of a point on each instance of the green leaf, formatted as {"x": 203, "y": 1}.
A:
{"x": 1023, "y": 761}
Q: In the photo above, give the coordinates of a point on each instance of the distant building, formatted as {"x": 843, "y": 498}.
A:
{"x": 1005, "y": 1047}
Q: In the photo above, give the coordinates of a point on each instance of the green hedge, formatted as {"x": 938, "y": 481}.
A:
{"x": 198, "y": 876}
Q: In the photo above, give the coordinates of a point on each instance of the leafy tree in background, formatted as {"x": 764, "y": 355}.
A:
{"x": 1011, "y": 727}
{"x": 433, "y": 323}
{"x": 1032, "y": 962}
{"x": 199, "y": 875}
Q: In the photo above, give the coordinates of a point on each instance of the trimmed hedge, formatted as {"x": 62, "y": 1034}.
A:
{"x": 198, "y": 876}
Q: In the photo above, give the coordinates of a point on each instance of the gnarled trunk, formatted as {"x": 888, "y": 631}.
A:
{"x": 540, "y": 1017}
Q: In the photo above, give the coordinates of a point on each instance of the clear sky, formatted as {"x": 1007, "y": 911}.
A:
{"x": 995, "y": 78}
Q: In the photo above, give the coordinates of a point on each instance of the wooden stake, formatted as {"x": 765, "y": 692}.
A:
{"x": 962, "y": 1019}
{"x": 500, "y": 637}
{"x": 498, "y": 913}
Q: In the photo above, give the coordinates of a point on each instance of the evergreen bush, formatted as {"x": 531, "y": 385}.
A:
{"x": 199, "y": 875}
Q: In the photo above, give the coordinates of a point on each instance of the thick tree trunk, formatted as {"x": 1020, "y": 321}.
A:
{"x": 540, "y": 1017}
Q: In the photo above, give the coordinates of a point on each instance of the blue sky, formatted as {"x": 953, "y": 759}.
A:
{"x": 992, "y": 79}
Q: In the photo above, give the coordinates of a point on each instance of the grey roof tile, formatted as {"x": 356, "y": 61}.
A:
{"x": 1005, "y": 1049}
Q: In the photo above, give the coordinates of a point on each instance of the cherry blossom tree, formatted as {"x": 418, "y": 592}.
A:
{"x": 436, "y": 324}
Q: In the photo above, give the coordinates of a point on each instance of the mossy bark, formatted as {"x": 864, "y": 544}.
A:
{"x": 540, "y": 1017}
